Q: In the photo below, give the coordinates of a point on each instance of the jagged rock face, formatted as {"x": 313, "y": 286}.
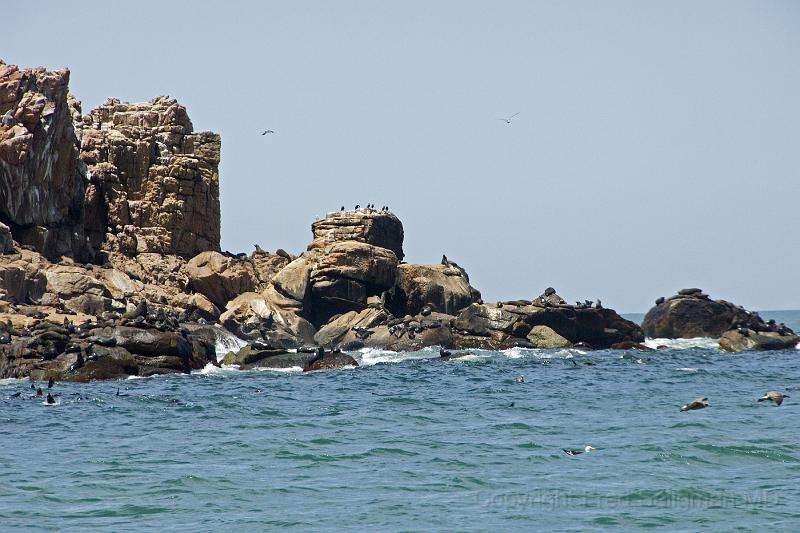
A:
{"x": 444, "y": 287}
{"x": 42, "y": 180}
{"x": 153, "y": 181}
{"x": 691, "y": 314}
{"x": 378, "y": 228}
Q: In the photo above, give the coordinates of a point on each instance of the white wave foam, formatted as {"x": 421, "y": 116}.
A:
{"x": 687, "y": 369}
{"x": 227, "y": 342}
{"x": 289, "y": 370}
{"x": 709, "y": 343}
{"x": 213, "y": 370}
{"x": 372, "y": 356}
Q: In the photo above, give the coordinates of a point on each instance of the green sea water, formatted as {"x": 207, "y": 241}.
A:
{"x": 406, "y": 442}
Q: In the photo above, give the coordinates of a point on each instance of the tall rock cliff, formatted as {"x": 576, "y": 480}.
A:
{"x": 42, "y": 180}
{"x": 153, "y": 182}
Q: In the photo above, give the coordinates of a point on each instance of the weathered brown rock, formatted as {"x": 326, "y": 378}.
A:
{"x": 153, "y": 181}
{"x": 736, "y": 341}
{"x": 546, "y": 337}
{"x": 42, "y": 181}
{"x": 220, "y": 278}
{"x": 692, "y": 314}
{"x": 445, "y": 288}
{"x": 378, "y": 228}
{"x": 597, "y": 327}
{"x": 256, "y": 315}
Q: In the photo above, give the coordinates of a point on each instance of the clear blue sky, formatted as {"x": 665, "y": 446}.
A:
{"x": 656, "y": 146}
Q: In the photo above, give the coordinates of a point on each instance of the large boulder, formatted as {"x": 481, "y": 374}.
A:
{"x": 153, "y": 181}
{"x": 254, "y": 316}
{"x": 42, "y": 180}
{"x": 546, "y": 337}
{"x": 444, "y": 287}
{"x": 220, "y": 278}
{"x": 22, "y": 279}
{"x": 345, "y": 274}
{"x": 691, "y": 314}
{"x": 740, "y": 340}
{"x": 512, "y": 324}
{"x": 370, "y": 226}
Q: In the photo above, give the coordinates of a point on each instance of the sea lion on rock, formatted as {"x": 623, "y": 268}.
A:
{"x": 660, "y": 300}
{"x": 690, "y": 292}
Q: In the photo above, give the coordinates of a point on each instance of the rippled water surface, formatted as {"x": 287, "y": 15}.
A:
{"x": 406, "y": 442}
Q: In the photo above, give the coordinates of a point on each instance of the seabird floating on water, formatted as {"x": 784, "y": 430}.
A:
{"x": 520, "y": 379}
{"x": 699, "y": 403}
{"x": 774, "y": 396}
{"x": 570, "y": 451}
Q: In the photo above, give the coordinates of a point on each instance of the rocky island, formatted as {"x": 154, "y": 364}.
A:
{"x": 692, "y": 313}
{"x": 111, "y": 266}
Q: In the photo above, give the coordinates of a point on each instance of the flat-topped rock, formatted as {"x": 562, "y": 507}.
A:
{"x": 370, "y": 226}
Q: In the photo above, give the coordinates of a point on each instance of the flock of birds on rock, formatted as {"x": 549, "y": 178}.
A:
{"x": 368, "y": 206}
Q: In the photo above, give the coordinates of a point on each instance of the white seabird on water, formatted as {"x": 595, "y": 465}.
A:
{"x": 570, "y": 451}
{"x": 774, "y": 396}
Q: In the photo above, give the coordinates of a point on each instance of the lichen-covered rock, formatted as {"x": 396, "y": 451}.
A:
{"x": 42, "y": 180}
{"x": 444, "y": 287}
{"x": 153, "y": 181}
{"x": 740, "y": 340}
{"x": 370, "y": 226}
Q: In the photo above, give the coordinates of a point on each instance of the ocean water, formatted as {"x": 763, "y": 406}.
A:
{"x": 406, "y": 443}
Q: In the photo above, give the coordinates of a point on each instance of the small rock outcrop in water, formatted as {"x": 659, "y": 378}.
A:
{"x": 737, "y": 340}
{"x": 42, "y": 180}
{"x": 691, "y": 313}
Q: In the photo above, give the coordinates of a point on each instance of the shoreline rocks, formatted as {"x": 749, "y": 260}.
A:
{"x": 111, "y": 266}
